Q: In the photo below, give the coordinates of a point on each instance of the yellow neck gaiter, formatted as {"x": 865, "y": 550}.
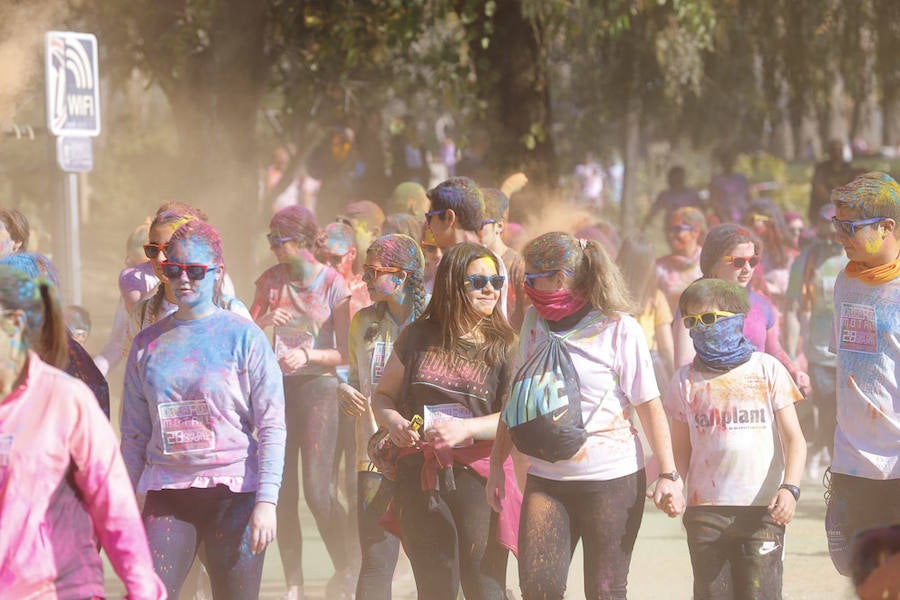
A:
{"x": 874, "y": 275}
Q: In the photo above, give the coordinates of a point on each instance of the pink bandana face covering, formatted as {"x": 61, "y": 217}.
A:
{"x": 555, "y": 305}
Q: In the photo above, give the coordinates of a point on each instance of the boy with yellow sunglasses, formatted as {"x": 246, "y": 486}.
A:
{"x": 736, "y": 437}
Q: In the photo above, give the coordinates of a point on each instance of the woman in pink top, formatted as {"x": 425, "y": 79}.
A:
{"x": 732, "y": 253}
{"x": 62, "y": 479}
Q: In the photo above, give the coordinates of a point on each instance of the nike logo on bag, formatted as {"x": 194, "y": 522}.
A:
{"x": 560, "y": 415}
{"x": 768, "y": 548}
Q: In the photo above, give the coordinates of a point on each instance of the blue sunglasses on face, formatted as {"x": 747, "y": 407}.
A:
{"x": 530, "y": 277}
{"x": 480, "y": 281}
{"x": 849, "y": 228}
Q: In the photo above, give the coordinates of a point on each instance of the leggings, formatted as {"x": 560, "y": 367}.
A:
{"x": 380, "y": 549}
{"x": 605, "y": 515}
{"x": 178, "y": 520}
{"x": 453, "y": 543}
{"x": 311, "y": 417}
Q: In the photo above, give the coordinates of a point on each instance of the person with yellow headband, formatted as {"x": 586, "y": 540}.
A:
{"x": 865, "y": 470}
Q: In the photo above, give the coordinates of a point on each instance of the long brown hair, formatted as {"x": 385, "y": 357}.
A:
{"x": 451, "y": 310}
{"x": 596, "y": 277}
{"x": 45, "y": 329}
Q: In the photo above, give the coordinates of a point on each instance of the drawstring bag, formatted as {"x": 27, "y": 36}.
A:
{"x": 543, "y": 412}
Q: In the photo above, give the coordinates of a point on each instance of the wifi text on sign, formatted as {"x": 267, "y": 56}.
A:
{"x": 73, "y": 85}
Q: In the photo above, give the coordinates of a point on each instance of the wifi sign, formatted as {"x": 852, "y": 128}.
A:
{"x": 73, "y": 86}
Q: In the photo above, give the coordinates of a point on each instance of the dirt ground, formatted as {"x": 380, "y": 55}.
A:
{"x": 660, "y": 568}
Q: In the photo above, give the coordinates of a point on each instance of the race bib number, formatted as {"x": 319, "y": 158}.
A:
{"x": 186, "y": 427}
{"x": 435, "y": 413}
{"x": 381, "y": 352}
{"x": 859, "y": 328}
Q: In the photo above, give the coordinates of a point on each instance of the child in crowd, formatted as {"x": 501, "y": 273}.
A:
{"x": 865, "y": 480}
{"x": 496, "y": 213}
{"x": 735, "y": 434}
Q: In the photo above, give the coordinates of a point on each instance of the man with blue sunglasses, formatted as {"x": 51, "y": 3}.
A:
{"x": 865, "y": 469}
{"x": 456, "y": 214}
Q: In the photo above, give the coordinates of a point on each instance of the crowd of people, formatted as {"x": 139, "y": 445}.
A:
{"x": 480, "y": 396}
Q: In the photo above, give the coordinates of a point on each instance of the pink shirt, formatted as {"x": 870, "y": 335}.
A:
{"x": 62, "y": 479}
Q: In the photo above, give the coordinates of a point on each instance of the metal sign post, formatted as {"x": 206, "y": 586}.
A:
{"x": 73, "y": 114}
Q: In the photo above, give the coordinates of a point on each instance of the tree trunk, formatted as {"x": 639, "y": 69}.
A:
{"x": 513, "y": 81}
{"x": 215, "y": 107}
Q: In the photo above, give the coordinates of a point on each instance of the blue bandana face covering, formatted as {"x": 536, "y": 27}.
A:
{"x": 722, "y": 345}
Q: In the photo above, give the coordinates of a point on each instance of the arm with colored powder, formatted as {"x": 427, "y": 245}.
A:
{"x": 384, "y": 404}
{"x": 260, "y": 309}
{"x": 102, "y": 479}
{"x": 667, "y": 495}
{"x": 353, "y": 402}
{"x": 267, "y": 405}
{"x": 135, "y": 424}
{"x": 495, "y": 488}
{"x": 681, "y": 446}
{"x": 782, "y": 505}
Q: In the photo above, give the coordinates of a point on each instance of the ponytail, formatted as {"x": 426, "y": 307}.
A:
{"x": 52, "y": 343}
{"x": 601, "y": 282}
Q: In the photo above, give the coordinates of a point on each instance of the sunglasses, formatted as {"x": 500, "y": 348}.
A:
{"x": 479, "y": 281}
{"x": 849, "y": 228}
{"x": 371, "y": 272}
{"x": 151, "y": 251}
{"x": 707, "y": 318}
{"x": 530, "y": 277}
{"x": 759, "y": 219}
{"x": 173, "y": 270}
{"x": 676, "y": 229}
{"x": 432, "y": 213}
{"x": 738, "y": 262}
{"x": 487, "y": 222}
{"x": 333, "y": 260}
{"x": 277, "y": 241}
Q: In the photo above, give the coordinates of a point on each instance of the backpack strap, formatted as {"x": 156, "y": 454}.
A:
{"x": 596, "y": 319}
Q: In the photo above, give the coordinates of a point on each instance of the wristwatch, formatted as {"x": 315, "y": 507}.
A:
{"x": 673, "y": 476}
{"x": 793, "y": 489}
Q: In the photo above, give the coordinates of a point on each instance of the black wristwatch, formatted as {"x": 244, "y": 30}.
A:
{"x": 673, "y": 476}
{"x": 793, "y": 489}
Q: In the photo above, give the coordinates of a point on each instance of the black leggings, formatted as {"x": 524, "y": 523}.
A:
{"x": 455, "y": 542}
{"x": 379, "y": 548}
{"x": 311, "y": 417}
{"x": 178, "y": 520}
{"x": 605, "y": 515}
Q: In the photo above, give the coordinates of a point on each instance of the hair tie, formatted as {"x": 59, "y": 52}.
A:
{"x": 583, "y": 242}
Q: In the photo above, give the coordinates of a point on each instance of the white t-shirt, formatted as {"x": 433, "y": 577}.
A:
{"x": 866, "y": 337}
{"x": 736, "y": 453}
{"x": 615, "y": 372}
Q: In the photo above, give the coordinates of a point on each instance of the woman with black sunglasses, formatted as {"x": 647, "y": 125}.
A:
{"x": 451, "y": 367}
{"x": 203, "y": 427}
{"x": 306, "y": 304}
{"x": 732, "y": 253}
